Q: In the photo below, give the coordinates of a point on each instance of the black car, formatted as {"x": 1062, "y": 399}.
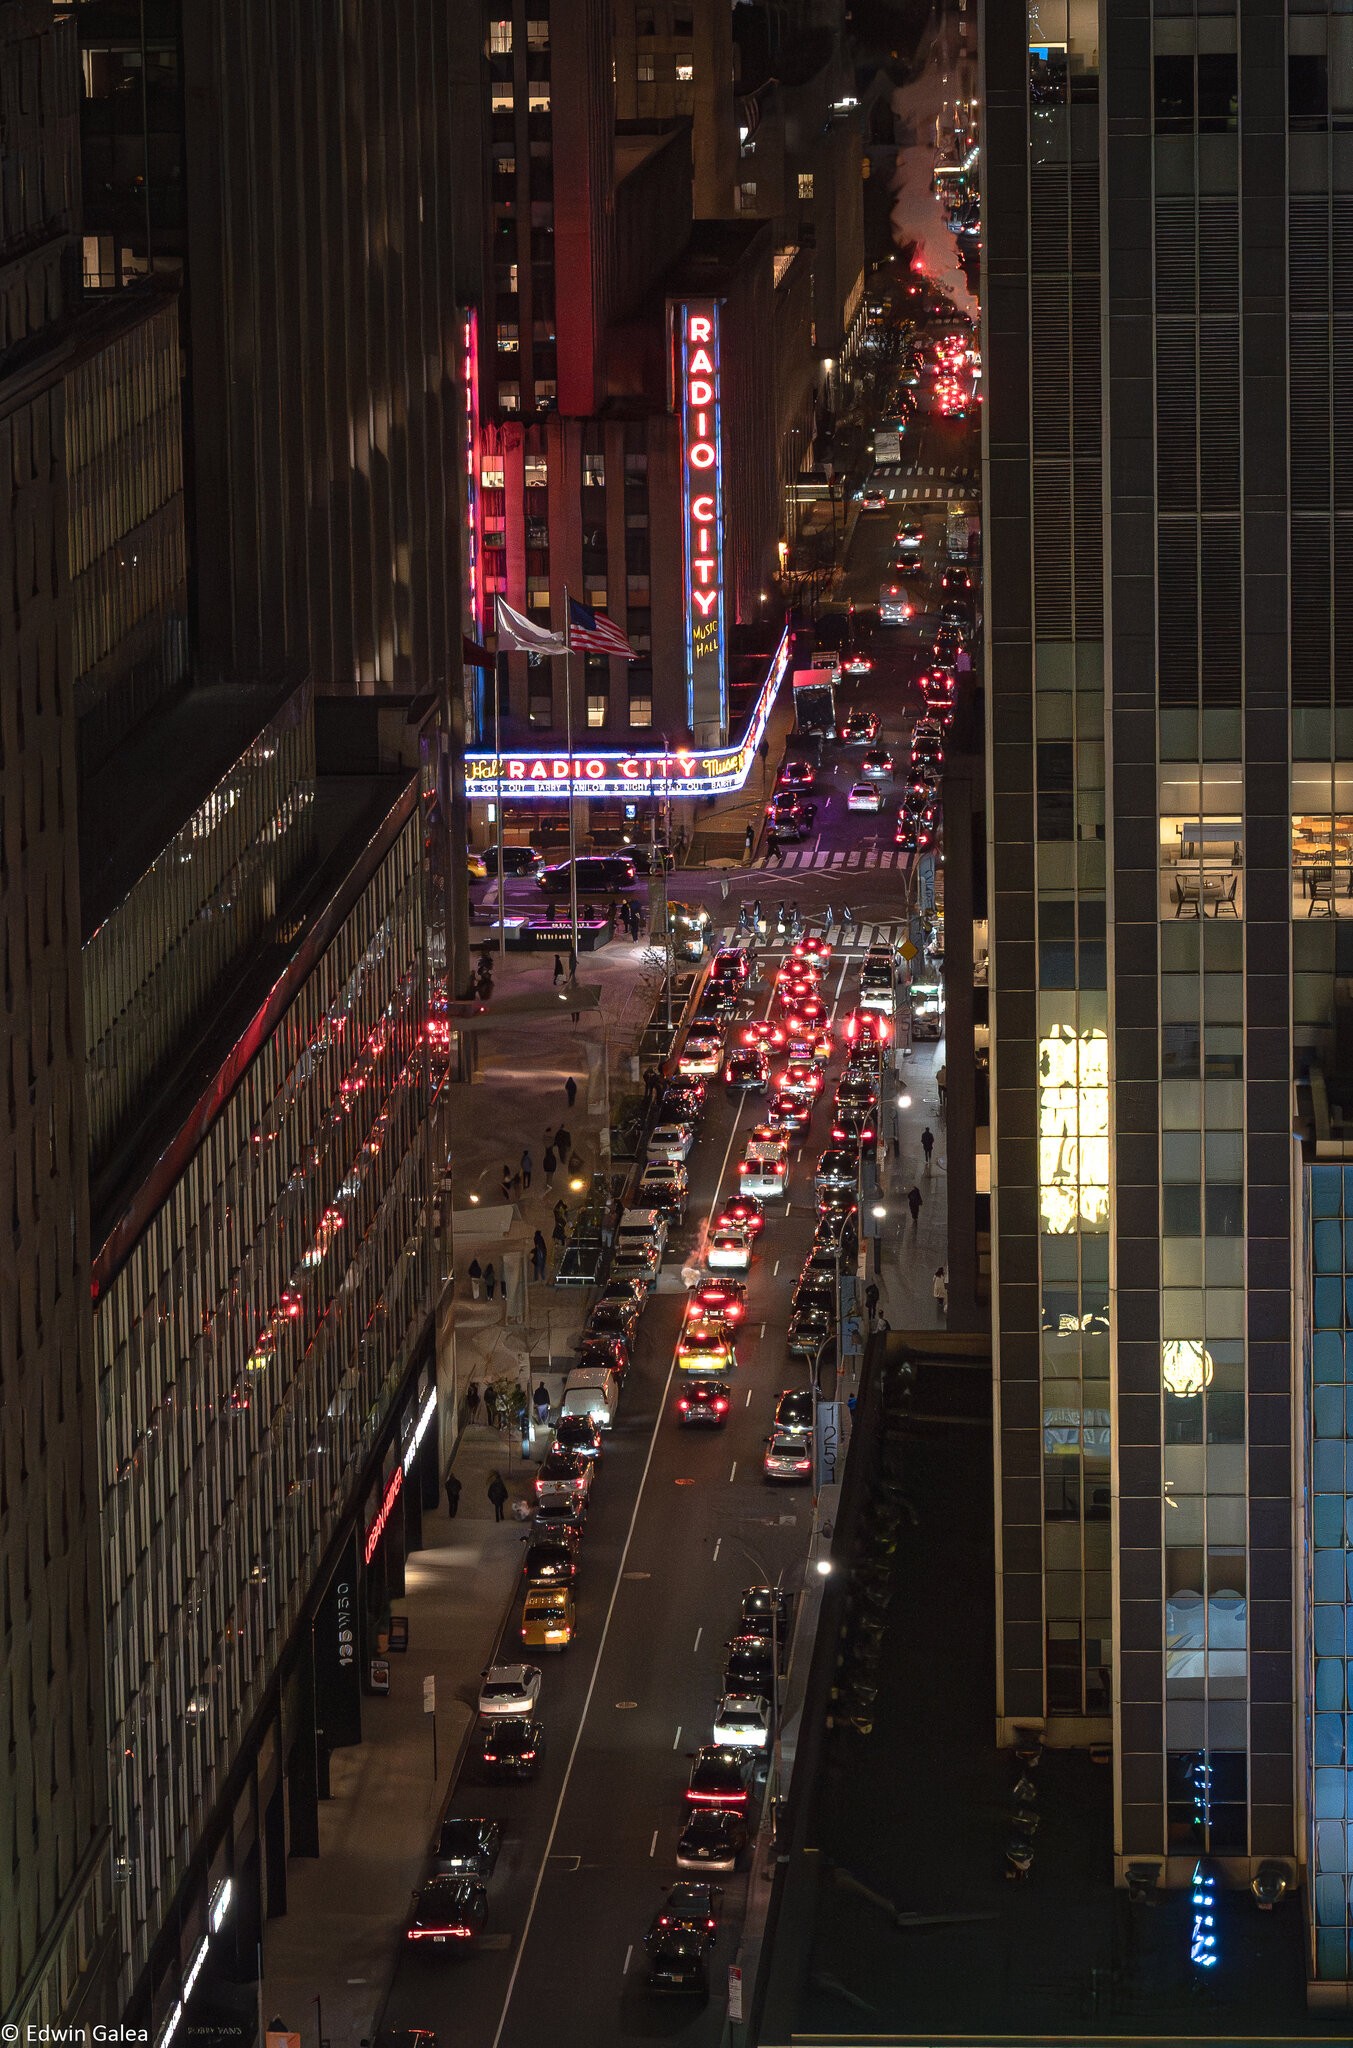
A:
{"x": 759, "y": 1602}
{"x": 750, "y": 1666}
{"x": 678, "y": 1963}
{"x": 552, "y": 1560}
{"x": 614, "y": 1318}
{"x": 467, "y": 1848}
{"x": 718, "y": 1002}
{"x": 795, "y": 1409}
{"x": 822, "y": 1262}
{"x": 693, "y": 1908}
{"x": 403, "y": 2037}
{"x": 854, "y": 1120}
{"x": 517, "y": 860}
{"x": 859, "y": 1090}
{"x": 600, "y": 872}
{"x": 681, "y": 1102}
{"x": 835, "y": 1235}
{"x": 809, "y": 1329}
{"x": 578, "y": 1433}
{"x": 713, "y": 1839}
{"x": 511, "y": 1747}
{"x": 732, "y": 965}
{"x": 703, "y": 1403}
{"x": 602, "y": 1348}
{"x": 836, "y": 1206}
{"x": 560, "y": 1511}
{"x": 748, "y": 1068}
{"x": 837, "y": 1167}
{"x": 719, "y": 1777}
{"x": 814, "y": 1293}
{"x": 449, "y": 1912}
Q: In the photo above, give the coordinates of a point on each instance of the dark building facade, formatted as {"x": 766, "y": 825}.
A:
{"x": 1166, "y": 207}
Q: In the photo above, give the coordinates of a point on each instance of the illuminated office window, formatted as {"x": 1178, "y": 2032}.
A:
{"x": 500, "y": 38}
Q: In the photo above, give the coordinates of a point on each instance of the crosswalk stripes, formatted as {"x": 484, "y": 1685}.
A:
{"x": 855, "y": 858}
{"x": 862, "y": 937}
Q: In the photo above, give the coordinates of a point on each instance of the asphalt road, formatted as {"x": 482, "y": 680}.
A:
{"x": 588, "y": 1846}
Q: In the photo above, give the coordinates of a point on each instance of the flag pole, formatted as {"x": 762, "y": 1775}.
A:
{"x": 568, "y": 749}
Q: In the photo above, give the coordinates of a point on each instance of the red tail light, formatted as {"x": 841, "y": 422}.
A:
{"x": 683, "y": 1405}
{"x": 719, "y": 1406}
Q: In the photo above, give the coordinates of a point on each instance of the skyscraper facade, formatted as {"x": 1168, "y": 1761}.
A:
{"x": 1168, "y": 196}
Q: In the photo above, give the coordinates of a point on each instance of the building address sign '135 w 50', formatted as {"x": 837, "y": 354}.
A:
{"x": 696, "y": 374}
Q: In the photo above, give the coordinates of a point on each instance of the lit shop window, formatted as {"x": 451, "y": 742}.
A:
{"x": 595, "y": 594}
{"x": 644, "y": 70}
{"x": 505, "y": 165}
{"x": 805, "y": 184}
{"x": 546, "y": 389}
{"x": 508, "y": 339}
{"x": 509, "y": 397}
{"x": 538, "y": 595}
{"x": 598, "y": 704}
{"x": 594, "y": 471}
{"x": 491, "y": 473}
{"x": 641, "y": 706}
{"x": 538, "y": 99}
{"x": 501, "y": 99}
{"x": 1073, "y": 1130}
{"x": 500, "y": 38}
{"x": 537, "y": 35}
{"x": 685, "y": 71}
{"x": 535, "y": 472}
{"x": 747, "y": 198}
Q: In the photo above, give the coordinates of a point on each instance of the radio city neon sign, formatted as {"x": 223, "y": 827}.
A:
{"x": 698, "y": 401}
{"x": 383, "y": 1513}
{"x": 681, "y": 772}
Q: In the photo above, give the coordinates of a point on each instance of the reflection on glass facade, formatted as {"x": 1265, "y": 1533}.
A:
{"x": 151, "y": 967}
{"x": 125, "y": 529}
{"x": 247, "y": 1354}
{"x": 1329, "y": 1564}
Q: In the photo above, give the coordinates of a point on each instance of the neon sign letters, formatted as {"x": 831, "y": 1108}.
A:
{"x": 682, "y": 772}
{"x": 696, "y": 325}
{"x": 383, "y": 1513}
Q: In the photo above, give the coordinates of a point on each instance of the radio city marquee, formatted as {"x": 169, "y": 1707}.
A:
{"x": 695, "y": 325}
{"x": 685, "y": 771}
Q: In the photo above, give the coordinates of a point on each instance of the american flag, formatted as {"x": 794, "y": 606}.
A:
{"x": 594, "y": 633}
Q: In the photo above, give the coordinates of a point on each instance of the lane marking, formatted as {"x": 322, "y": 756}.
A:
{"x": 773, "y": 1271}
{"x": 628, "y": 1953}
{"x": 748, "y": 1402}
{"x": 732, "y": 1475}
{"x": 676, "y": 1739}
{"x": 698, "y": 1633}
{"x": 719, "y": 1540}
{"x": 652, "y": 1847}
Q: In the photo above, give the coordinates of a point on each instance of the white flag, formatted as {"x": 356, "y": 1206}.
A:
{"x": 516, "y": 630}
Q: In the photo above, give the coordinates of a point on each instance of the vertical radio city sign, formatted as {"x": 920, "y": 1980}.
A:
{"x": 695, "y": 337}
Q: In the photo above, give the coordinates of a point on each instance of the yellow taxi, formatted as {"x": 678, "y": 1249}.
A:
{"x": 548, "y": 1618}
{"x": 707, "y": 1348}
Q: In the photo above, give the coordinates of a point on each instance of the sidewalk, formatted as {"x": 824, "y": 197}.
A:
{"x": 910, "y": 1256}
{"x": 346, "y": 1907}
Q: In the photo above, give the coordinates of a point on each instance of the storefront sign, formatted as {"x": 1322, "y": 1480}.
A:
{"x": 421, "y": 1428}
{"x": 685, "y": 771}
{"x": 473, "y": 521}
{"x": 695, "y": 333}
{"x": 338, "y": 1699}
{"x": 383, "y": 1513}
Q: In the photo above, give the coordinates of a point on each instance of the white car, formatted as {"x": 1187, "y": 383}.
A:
{"x": 865, "y": 796}
{"x": 671, "y": 1141}
{"x": 730, "y": 1249}
{"x": 741, "y": 1721}
{"x": 702, "y": 1054}
{"x": 509, "y": 1689}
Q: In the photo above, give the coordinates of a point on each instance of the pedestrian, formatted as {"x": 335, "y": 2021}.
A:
{"x": 497, "y": 1494}
{"x": 781, "y": 921}
{"x": 749, "y": 840}
{"x": 472, "y": 1402}
{"x": 541, "y": 1397}
{"x": 611, "y": 909}
{"x": 637, "y": 921}
{"x": 540, "y": 1253}
{"x": 827, "y": 919}
{"x": 914, "y": 1203}
{"x": 779, "y": 851}
{"x": 561, "y": 1211}
{"x": 772, "y": 845}
{"x": 940, "y": 1289}
{"x": 452, "y": 1485}
{"x": 491, "y": 1407}
{"x": 757, "y": 919}
{"x": 559, "y": 1233}
{"x": 927, "y": 1145}
{"x": 518, "y": 1183}
{"x": 550, "y": 1163}
{"x": 563, "y": 1141}
{"x": 571, "y": 1091}
{"x": 723, "y": 888}
{"x": 490, "y": 1280}
{"x": 507, "y": 1183}
{"x": 476, "y": 1272}
{"x": 941, "y": 1072}
{"x": 847, "y": 918}
{"x": 526, "y": 1169}
{"x": 871, "y": 1299}
{"x": 558, "y": 970}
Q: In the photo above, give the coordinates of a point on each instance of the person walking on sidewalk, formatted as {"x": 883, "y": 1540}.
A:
{"x": 871, "y": 1299}
{"x": 491, "y": 1407}
{"x": 497, "y": 1492}
{"x": 563, "y": 1139}
{"x": 452, "y": 1485}
{"x": 847, "y": 918}
{"x": 558, "y": 970}
{"x": 773, "y": 851}
{"x": 914, "y": 1203}
{"x": 476, "y": 1273}
{"x": 570, "y": 1092}
{"x": 828, "y": 918}
{"x": 941, "y": 1072}
{"x": 527, "y": 1169}
{"x": 472, "y": 1402}
{"x": 940, "y": 1289}
{"x": 927, "y": 1145}
{"x": 507, "y": 1183}
{"x": 490, "y": 1280}
{"x": 559, "y": 1234}
{"x": 749, "y": 840}
{"x": 540, "y": 1254}
{"x": 541, "y": 1398}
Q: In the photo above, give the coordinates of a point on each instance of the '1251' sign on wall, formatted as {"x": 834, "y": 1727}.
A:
{"x": 696, "y": 337}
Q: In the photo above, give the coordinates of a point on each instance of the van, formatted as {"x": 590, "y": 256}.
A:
{"x": 594, "y": 1391}
{"x": 596, "y": 871}
{"x": 764, "y": 1168}
{"x": 642, "y": 1226}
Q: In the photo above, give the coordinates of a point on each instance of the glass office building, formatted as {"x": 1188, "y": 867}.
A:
{"x": 1168, "y": 211}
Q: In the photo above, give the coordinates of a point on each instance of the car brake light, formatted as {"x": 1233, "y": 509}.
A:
{"x": 527, "y": 1755}
{"x": 683, "y": 1405}
{"x": 719, "y": 1407}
